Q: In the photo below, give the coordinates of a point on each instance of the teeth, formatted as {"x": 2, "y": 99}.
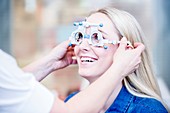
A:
{"x": 87, "y": 60}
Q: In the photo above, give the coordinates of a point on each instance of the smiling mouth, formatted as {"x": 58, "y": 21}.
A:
{"x": 88, "y": 59}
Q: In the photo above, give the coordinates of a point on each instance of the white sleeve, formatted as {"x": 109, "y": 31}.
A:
{"x": 19, "y": 91}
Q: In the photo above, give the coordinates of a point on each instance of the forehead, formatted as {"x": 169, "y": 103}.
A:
{"x": 102, "y": 18}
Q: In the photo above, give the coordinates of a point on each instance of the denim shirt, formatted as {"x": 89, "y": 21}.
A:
{"x": 128, "y": 103}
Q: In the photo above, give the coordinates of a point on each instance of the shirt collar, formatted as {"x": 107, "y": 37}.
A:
{"x": 122, "y": 102}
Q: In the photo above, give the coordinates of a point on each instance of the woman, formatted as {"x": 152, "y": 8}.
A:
{"x": 91, "y": 99}
{"x": 138, "y": 92}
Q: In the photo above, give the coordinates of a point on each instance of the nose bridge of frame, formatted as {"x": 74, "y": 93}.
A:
{"x": 87, "y": 32}
{"x": 86, "y": 38}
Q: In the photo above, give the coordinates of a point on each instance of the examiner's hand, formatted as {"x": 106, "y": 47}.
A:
{"x": 61, "y": 55}
{"x": 127, "y": 58}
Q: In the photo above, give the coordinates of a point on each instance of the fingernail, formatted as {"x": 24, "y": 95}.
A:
{"x": 124, "y": 39}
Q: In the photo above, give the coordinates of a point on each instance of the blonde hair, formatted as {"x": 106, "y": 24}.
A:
{"x": 142, "y": 82}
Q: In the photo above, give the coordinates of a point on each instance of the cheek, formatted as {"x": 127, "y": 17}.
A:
{"x": 113, "y": 48}
{"x": 109, "y": 53}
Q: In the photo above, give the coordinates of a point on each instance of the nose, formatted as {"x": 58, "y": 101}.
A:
{"x": 84, "y": 46}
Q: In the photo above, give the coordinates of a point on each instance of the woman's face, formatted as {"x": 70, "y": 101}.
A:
{"x": 100, "y": 58}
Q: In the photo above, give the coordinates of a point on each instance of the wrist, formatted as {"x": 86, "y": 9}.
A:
{"x": 117, "y": 69}
{"x": 48, "y": 64}
{"x": 42, "y": 68}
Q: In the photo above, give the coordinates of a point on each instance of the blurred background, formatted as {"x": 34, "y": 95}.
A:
{"x": 29, "y": 29}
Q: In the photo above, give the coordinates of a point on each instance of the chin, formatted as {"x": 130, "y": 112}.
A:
{"x": 89, "y": 75}
{"x": 84, "y": 73}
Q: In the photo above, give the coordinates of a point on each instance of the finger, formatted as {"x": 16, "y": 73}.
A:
{"x": 136, "y": 67}
{"x": 135, "y": 62}
{"x": 71, "y": 48}
{"x": 139, "y": 59}
{"x": 129, "y": 45}
{"x": 74, "y": 61}
{"x": 139, "y": 46}
{"x": 130, "y": 73}
{"x": 123, "y": 43}
{"x": 64, "y": 44}
{"x": 71, "y": 53}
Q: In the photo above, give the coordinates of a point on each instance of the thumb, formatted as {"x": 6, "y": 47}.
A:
{"x": 123, "y": 43}
{"x": 60, "y": 49}
{"x": 64, "y": 44}
{"x": 139, "y": 47}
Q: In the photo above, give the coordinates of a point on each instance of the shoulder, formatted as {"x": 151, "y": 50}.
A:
{"x": 148, "y": 105}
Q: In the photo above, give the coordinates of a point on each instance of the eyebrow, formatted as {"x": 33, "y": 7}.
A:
{"x": 102, "y": 31}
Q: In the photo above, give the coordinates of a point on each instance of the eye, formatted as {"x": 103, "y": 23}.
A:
{"x": 103, "y": 37}
{"x": 78, "y": 37}
{"x": 95, "y": 38}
